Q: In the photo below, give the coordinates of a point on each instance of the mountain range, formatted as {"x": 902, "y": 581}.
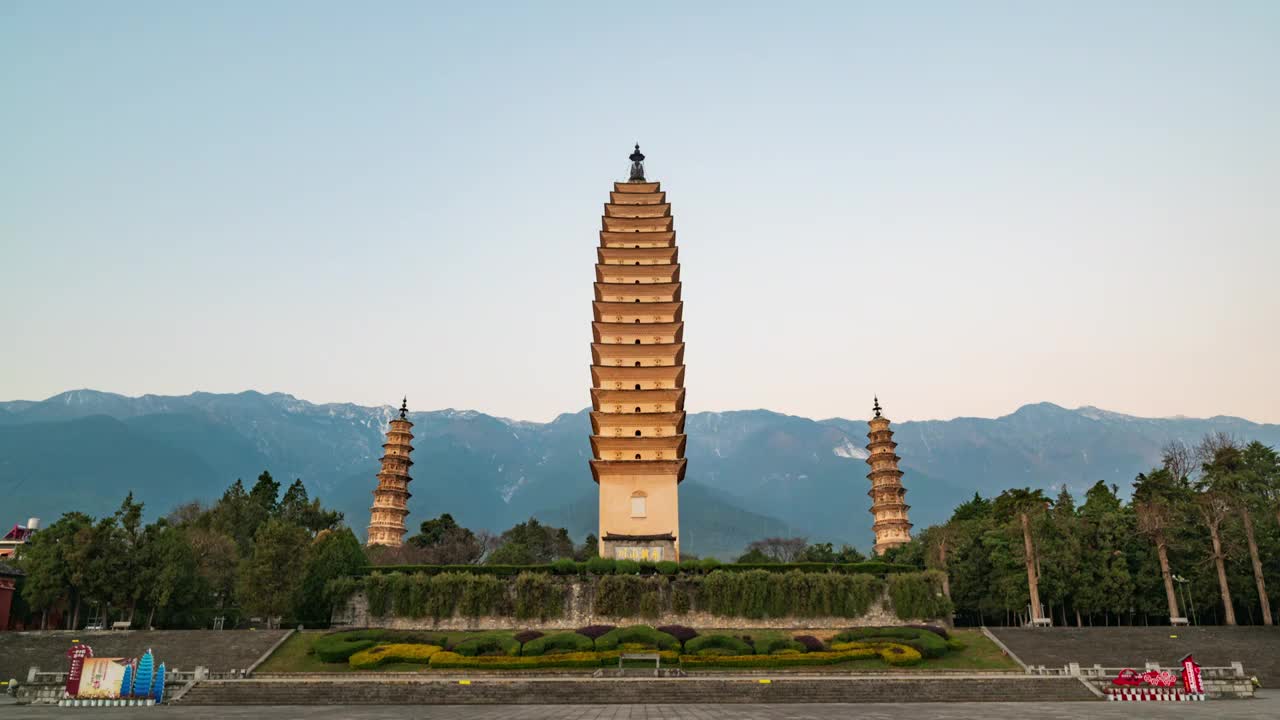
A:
{"x": 752, "y": 473}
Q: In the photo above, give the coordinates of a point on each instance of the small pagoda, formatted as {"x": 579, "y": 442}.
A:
{"x": 637, "y": 373}
{"x": 888, "y": 496}
{"x": 391, "y": 498}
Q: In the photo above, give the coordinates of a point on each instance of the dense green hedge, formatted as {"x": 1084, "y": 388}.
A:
{"x": 754, "y": 593}
{"x": 758, "y": 594}
{"x": 558, "y": 642}
{"x": 717, "y": 645}
{"x": 637, "y": 634}
{"x": 919, "y": 596}
{"x": 604, "y": 566}
{"x": 488, "y": 645}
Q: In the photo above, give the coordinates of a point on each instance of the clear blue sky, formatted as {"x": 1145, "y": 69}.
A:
{"x": 963, "y": 207}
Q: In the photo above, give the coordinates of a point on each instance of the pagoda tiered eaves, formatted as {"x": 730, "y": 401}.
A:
{"x": 391, "y": 497}
{"x": 888, "y": 497}
{"x": 637, "y": 373}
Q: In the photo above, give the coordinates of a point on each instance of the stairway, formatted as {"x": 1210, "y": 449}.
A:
{"x": 589, "y": 691}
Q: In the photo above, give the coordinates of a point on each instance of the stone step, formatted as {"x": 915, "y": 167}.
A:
{"x": 1258, "y": 648}
{"x": 602, "y": 692}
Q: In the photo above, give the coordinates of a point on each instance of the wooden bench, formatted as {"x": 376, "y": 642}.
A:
{"x": 1041, "y": 622}
{"x": 1179, "y": 621}
{"x": 121, "y": 625}
{"x": 655, "y": 657}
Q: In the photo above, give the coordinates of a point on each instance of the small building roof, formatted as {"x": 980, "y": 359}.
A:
{"x": 7, "y": 570}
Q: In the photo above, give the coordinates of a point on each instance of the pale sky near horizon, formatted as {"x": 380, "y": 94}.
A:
{"x": 963, "y": 207}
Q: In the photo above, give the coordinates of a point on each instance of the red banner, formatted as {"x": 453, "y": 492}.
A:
{"x": 76, "y": 654}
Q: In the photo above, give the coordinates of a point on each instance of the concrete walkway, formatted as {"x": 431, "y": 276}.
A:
{"x": 1266, "y": 706}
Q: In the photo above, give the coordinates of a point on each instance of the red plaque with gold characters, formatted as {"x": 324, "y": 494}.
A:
{"x": 76, "y": 654}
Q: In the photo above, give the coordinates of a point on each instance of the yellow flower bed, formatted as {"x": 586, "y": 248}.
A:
{"x": 454, "y": 661}
{"x": 891, "y": 653}
{"x": 396, "y": 652}
{"x": 776, "y": 661}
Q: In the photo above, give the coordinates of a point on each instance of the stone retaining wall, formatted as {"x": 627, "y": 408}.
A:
{"x": 579, "y": 613}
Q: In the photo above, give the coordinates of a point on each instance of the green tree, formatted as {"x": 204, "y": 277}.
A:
{"x": 271, "y": 578}
{"x": 296, "y": 508}
{"x": 589, "y": 548}
{"x": 46, "y": 562}
{"x": 1024, "y": 504}
{"x": 128, "y": 540}
{"x": 265, "y": 495}
{"x": 1059, "y": 550}
{"x": 217, "y": 558}
{"x": 1107, "y": 585}
{"x": 445, "y": 542}
{"x": 167, "y": 571}
{"x": 1160, "y": 501}
{"x": 1262, "y": 465}
{"x": 1227, "y": 477}
{"x": 532, "y": 543}
{"x": 333, "y": 554}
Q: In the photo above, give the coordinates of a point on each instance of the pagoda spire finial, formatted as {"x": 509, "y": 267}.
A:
{"x": 637, "y": 165}
{"x": 404, "y": 407}
{"x": 876, "y": 407}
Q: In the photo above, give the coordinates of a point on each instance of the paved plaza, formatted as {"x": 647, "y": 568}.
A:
{"x": 1266, "y": 706}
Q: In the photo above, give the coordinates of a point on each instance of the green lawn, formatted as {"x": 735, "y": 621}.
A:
{"x": 980, "y": 654}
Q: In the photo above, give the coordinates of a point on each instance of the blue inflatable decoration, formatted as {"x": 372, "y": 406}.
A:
{"x": 133, "y": 676}
{"x": 126, "y": 685}
{"x": 142, "y": 678}
{"x": 157, "y": 687}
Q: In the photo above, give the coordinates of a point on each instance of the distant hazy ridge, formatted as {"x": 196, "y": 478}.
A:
{"x": 751, "y": 473}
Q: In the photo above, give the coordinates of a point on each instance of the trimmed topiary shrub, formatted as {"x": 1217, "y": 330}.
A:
{"x": 955, "y": 645}
{"x": 923, "y": 641}
{"x": 454, "y": 661}
{"x": 487, "y": 645}
{"x": 626, "y": 567}
{"x": 667, "y": 567}
{"x": 811, "y": 643}
{"x": 899, "y": 655}
{"x": 601, "y": 566}
{"x": 642, "y": 635}
{"x": 339, "y": 647}
{"x": 682, "y": 633}
{"x": 397, "y": 652}
{"x": 718, "y": 644}
{"x": 595, "y": 631}
{"x": 780, "y": 646}
{"x": 775, "y": 661}
{"x": 557, "y": 643}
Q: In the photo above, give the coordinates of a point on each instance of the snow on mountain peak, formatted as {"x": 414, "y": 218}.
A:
{"x": 848, "y": 450}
